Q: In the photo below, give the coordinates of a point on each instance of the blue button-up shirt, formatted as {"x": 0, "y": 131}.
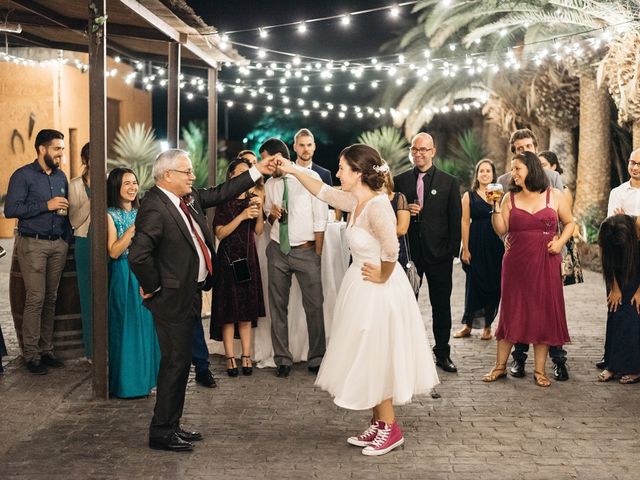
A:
{"x": 30, "y": 188}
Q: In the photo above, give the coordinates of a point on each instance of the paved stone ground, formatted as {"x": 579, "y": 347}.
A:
{"x": 262, "y": 427}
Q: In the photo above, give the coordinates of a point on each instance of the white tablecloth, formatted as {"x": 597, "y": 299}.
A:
{"x": 335, "y": 260}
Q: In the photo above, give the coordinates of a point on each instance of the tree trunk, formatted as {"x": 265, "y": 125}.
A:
{"x": 496, "y": 144}
{"x": 562, "y": 144}
{"x": 635, "y": 132}
{"x": 594, "y": 163}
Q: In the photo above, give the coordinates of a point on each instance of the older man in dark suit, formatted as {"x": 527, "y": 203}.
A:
{"x": 434, "y": 235}
{"x": 172, "y": 256}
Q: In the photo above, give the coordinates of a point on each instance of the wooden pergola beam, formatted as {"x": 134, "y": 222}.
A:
{"x": 173, "y": 95}
{"x": 98, "y": 174}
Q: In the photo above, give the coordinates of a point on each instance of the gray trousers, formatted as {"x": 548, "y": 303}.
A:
{"x": 305, "y": 264}
{"x": 41, "y": 263}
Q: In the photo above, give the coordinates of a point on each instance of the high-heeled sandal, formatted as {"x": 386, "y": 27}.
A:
{"x": 247, "y": 370}
{"x": 496, "y": 373}
{"x": 233, "y": 371}
{"x": 541, "y": 379}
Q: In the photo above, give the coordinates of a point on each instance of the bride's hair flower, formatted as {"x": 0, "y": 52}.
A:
{"x": 381, "y": 169}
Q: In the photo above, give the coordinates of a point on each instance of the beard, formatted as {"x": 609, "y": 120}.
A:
{"x": 48, "y": 160}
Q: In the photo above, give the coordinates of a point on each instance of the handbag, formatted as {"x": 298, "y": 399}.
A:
{"x": 571, "y": 266}
{"x": 240, "y": 267}
{"x": 411, "y": 270}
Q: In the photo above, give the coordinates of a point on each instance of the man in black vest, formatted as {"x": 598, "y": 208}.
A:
{"x": 434, "y": 235}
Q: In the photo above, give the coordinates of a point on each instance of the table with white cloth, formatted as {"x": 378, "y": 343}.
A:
{"x": 335, "y": 261}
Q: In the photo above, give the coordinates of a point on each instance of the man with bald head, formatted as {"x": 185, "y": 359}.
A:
{"x": 434, "y": 235}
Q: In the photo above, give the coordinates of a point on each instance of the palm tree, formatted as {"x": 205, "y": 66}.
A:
{"x": 391, "y": 145}
{"x": 136, "y": 148}
{"x": 499, "y": 24}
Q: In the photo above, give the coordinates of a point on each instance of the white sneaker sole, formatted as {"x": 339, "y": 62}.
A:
{"x": 371, "y": 452}
{"x": 357, "y": 443}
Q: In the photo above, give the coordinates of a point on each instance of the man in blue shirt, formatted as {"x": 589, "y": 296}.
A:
{"x": 37, "y": 197}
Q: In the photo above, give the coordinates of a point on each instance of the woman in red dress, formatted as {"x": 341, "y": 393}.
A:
{"x": 532, "y": 305}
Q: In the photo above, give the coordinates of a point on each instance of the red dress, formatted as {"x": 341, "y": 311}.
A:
{"x": 532, "y": 304}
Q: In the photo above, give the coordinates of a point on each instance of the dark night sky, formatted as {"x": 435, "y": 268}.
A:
{"x": 362, "y": 39}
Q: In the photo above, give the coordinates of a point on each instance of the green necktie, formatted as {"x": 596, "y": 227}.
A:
{"x": 285, "y": 247}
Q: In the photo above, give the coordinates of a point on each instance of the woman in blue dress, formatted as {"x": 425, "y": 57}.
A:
{"x": 620, "y": 253}
{"x": 134, "y": 353}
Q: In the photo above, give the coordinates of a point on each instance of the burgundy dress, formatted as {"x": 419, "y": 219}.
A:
{"x": 532, "y": 304}
{"x": 232, "y": 301}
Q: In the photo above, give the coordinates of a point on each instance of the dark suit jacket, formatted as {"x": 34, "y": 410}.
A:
{"x": 163, "y": 253}
{"x": 325, "y": 174}
{"x": 437, "y": 236}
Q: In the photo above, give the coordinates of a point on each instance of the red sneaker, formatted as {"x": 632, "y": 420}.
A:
{"x": 388, "y": 438}
{"x": 366, "y": 437}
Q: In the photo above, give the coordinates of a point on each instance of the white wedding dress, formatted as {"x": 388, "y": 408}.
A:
{"x": 378, "y": 347}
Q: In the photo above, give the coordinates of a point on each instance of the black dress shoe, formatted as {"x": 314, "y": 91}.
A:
{"x": 206, "y": 379}
{"x": 37, "y": 368}
{"x": 51, "y": 361}
{"x": 283, "y": 371}
{"x": 188, "y": 436}
{"x": 446, "y": 364}
{"x": 600, "y": 364}
{"x": 314, "y": 370}
{"x": 172, "y": 443}
{"x": 517, "y": 369}
{"x": 560, "y": 372}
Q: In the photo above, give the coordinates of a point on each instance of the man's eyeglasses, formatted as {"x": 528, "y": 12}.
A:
{"x": 421, "y": 151}
{"x": 633, "y": 164}
{"x": 186, "y": 172}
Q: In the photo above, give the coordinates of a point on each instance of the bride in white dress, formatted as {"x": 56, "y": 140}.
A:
{"x": 378, "y": 355}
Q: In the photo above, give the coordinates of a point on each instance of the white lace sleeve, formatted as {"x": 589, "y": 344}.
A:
{"x": 344, "y": 201}
{"x": 382, "y": 226}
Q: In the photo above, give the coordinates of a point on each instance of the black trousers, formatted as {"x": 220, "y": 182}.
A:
{"x": 439, "y": 280}
{"x": 175, "y": 337}
{"x": 556, "y": 353}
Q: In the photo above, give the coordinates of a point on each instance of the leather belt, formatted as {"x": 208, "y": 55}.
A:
{"x": 39, "y": 236}
{"x": 309, "y": 244}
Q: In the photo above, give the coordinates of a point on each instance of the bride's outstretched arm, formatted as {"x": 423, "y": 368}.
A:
{"x": 336, "y": 198}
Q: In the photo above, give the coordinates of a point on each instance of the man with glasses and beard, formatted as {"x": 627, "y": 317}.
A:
{"x": 37, "y": 197}
{"x": 434, "y": 235}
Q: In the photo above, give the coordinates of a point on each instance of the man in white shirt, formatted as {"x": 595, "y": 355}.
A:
{"x": 298, "y": 221}
{"x": 305, "y": 146}
{"x": 625, "y": 198}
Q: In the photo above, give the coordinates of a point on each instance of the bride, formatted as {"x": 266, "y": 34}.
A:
{"x": 378, "y": 355}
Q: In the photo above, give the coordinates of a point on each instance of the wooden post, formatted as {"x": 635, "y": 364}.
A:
{"x": 98, "y": 137}
{"x": 212, "y": 131}
{"x": 173, "y": 96}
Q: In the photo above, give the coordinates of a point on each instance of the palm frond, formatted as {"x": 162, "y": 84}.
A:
{"x": 391, "y": 145}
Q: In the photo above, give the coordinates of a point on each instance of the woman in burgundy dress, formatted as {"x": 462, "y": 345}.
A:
{"x": 532, "y": 305}
{"x": 238, "y": 300}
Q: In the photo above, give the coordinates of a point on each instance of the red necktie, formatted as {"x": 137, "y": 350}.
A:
{"x": 203, "y": 246}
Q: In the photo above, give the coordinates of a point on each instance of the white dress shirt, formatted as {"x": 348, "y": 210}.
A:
{"x": 307, "y": 214}
{"x": 202, "y": 265}
{"x": 625, "y": 197}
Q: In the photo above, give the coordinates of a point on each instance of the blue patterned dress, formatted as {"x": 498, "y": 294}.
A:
{"x": 134, "y": 353}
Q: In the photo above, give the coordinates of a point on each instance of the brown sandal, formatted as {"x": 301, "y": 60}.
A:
{"x": 606, "y": 376}
{"x": 486, "y": 334}
{"x": 462, "y": 333}
{"x": 629, "y": 379}
{"x": 496, "y": 373}
{"x": 541, "y": 379}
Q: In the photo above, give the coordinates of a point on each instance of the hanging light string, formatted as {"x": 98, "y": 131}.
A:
{"x": 345, "y": 19}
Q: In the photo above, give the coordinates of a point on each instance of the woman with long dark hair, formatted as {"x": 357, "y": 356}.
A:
{"x": 134, "y": 352}
{"x": 239, "y": 299}
{"x": 481, "y": 255}
{"x": 532, "y": 307}
{"x": 620, "y": 253}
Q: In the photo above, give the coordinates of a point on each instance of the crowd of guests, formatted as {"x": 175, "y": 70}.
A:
{"x": 511, "y": 248}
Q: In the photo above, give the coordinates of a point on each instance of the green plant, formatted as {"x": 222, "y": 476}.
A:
{"x": 136, "y": 148}
{"x": 591, "y": 222}
{"x": 391, "y": 145}
{"x": 466, "y": 154}
{"x": 194, "y": 136}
